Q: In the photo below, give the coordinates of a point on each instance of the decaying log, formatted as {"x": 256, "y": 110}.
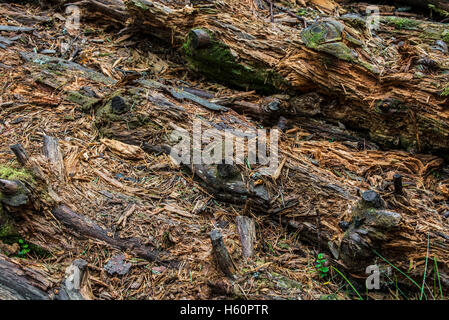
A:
{"x": 112, "y": 12}
{"x": 223, "y": 180}
{"x": 107, "y": 11}
{"x": 15, "y": 193}
{"x": 19, "y": 282}
{"x": 221, "y": 253}
{"x": 247, "y": 231}
{"x": 389, "y": 96}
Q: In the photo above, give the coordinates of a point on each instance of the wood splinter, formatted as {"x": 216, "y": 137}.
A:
{"x": 221, "y": 253}
{"x": 247, "y": 231}
{"x": 53, "y": 154}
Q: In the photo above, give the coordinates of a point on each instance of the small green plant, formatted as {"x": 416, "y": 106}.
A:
{"x": 301, "y": 12}
{"x": 321, "y": 267}
{"x": 24, "y": 248}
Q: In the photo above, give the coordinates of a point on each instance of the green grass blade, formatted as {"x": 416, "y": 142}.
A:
{"x": 349, "y": 282}
{"x": 425, "y": 267}
{"x": 400, "y": 271}
{"x": 438, "y": 276}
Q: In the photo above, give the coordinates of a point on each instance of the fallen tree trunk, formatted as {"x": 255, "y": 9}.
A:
{"x": 87, "y": 228}
{"x": 396, "y": 97}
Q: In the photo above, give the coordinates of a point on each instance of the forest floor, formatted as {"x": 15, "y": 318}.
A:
{"x": 159, "y": 199}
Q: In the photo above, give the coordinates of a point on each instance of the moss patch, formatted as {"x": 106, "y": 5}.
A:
{"x": 445, "y": 92}
{"x": 16, "y": 174}
{"x": 7, "y": 229}
{"x": 314, "y": 37}
{"x": 85, "y": 102}
{"x": 402, "y": 23}
{"x": 217, "y": 62}
{"x": 445, "y": 36}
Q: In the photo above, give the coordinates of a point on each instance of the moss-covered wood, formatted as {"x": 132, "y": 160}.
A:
{"x": 217, "y": 62}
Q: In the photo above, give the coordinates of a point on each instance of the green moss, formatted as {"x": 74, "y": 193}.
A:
{"x": 445, "y": 36}
{"x": 441, "y": 12}
{"x": 7, "y": 230}
{"x": 16, "y": 174}
{"x": 445, "y": 92}
{"x": 86, "y": 103}
{"x": 339, "y": 50}
{"x": 217, "y": 62}
{"x": 402, "y": 23}
{"x": 313, "y": 39}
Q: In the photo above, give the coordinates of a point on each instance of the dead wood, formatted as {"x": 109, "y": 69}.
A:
{"x": 221, "y": 253}
{"x": 85, "y": 227}
{"x": 19, "y": 282}
{"x": 323, "y": 168}
{"x": 312, "y": 182}
{"x": 72, "y": 286}
{"x": 247, "y": 231}
{"x": 53, "y": 153}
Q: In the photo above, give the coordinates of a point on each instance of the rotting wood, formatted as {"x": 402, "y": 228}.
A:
{"x": 247, "y": 231}
{"x": 53, "y": 153}
{"x": 221, "y": 254}
{"x": 19, "y": 282}
{"x": 330, "y": 170}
